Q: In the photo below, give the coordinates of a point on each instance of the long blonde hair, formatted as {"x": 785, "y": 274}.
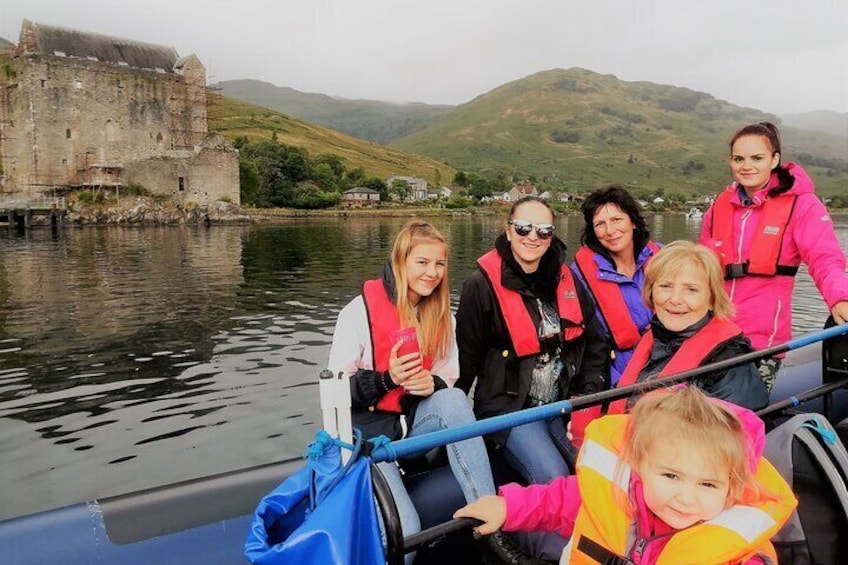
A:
{"x": 687, "y": 414}
{"x": 677, "y": 254}
{"x": 433, "y": 317}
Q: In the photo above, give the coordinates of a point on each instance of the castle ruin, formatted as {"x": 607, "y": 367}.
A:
{"x": 83, "y": 110}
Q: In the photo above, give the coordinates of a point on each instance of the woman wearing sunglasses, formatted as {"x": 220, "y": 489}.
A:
{"x": 405, "y": 389}
{"x": 528, "y": 336}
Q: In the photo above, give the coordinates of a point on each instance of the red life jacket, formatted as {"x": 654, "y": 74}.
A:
{"x": 690, "y": 355}
{"x": 522, "y": 331}
{"x": 383, "y": 320}
{"x": 607, "y": 294}
{"x": 764, "y": 257}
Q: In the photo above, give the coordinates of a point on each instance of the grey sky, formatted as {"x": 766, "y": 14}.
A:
{"x": 775, "y": 55}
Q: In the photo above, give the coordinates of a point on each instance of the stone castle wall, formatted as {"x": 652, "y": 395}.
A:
{"x": 75, "y": 122}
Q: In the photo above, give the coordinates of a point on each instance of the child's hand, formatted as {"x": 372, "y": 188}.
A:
{"x": 491, "y": 509}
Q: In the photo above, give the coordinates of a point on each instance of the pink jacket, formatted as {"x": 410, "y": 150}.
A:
{"x": 553, "y": 507}
{"x": 764, "y": 304}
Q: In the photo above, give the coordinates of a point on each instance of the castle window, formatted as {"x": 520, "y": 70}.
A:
{"x": 67, "y": 134}
{"x": 78, "y": 84}
{"x": 181, "y": 183}
{"x": 64, "y": 161}
{"x": 43, "y": 82}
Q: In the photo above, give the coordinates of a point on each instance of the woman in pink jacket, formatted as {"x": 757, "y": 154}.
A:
{"x": 763, "y": 226}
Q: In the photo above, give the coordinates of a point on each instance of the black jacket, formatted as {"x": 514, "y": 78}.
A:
{"x": 485, "y": 348}
{"x": 366, "y": 390}
{"x": 740, "y": 385}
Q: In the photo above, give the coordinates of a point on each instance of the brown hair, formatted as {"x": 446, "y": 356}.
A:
{"x": 433, "y": 319}
{"x": 672, "y": 258}
{"x": 525, "y": 200}
{"x": 688, "y": 415}
{"x": 771, "y": 134}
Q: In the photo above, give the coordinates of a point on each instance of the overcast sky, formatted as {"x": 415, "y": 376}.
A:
{"x": 779, "y": 56}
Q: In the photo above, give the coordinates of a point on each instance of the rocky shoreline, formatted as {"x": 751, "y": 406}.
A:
{"x": 146, "y": 211}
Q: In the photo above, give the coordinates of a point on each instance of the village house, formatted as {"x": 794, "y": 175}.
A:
{"x": 522, "y": 190}
{"x": 441, "y": 192}
{"x": 83, "y": 110}
{"x": 417, "y": 187}
{"x": 360, "y": 196}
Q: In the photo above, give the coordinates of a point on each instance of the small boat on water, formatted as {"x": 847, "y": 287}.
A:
{"x": 694, "y": 214}
{"x": 205, "y": 521}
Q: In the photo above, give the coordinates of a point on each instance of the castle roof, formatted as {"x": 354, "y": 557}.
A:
{"x": 52, "y": 40}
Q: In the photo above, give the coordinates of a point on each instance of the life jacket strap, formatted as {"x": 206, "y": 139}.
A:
{"x": 600, "y": 554}
{"x": 737, "y": 270}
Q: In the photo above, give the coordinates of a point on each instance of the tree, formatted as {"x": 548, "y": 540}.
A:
{"x": 460, "y": 179}
{"x": 479, "y": 188}
{"x": 401, "y": 189}
{"x": 378, "y": 184}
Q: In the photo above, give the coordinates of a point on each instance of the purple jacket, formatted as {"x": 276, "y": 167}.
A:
{"x": 631, "y": 290}
{"x": 764, "y": 304}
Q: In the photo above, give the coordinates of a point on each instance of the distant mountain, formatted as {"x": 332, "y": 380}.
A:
{"x": 578, "y": 130}
{"x": 382, "y": 122}
{"x": 233, "y": 118}
{"x": 823, "y": 121}
{"x": 6, "y": 45}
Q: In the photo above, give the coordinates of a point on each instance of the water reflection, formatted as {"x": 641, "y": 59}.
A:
{"x": 135, "y": 357}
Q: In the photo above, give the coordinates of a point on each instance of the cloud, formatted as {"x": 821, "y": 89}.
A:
{"x": 766, "y": 54}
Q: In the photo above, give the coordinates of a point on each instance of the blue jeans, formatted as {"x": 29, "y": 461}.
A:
{"x": 469, "y": 460}
{"x": 538, "y": 450}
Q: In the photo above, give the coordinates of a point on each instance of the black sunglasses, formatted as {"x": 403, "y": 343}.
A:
{"x": 524, "y": 227}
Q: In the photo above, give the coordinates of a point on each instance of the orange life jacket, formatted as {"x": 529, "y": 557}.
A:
{"x": 601, "y": 529}
{"x": 764, "y": 257}
{"x": 522, "y": 332}
{"x": 383, "y": 320}
{"x": 607, "y": 294}
{"x": 690, "y": 355}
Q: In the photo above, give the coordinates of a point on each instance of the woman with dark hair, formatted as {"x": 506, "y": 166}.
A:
{"x": 611, "y": 265}
{"x": 762, "y": 227}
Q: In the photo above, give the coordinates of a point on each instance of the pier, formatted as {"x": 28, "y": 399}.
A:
{"x": 18, "y": 213}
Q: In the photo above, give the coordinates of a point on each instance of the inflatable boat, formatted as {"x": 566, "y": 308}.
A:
{"x": 205, "y": 521}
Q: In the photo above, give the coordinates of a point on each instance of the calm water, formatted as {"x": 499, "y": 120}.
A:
{"x": 131, "y": 358}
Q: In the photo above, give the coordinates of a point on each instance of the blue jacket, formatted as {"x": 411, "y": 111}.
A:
{"x": 631, "y": 290}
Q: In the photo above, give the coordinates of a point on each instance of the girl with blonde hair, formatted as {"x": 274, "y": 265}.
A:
{"x": 398, "y": 393}
{"x": 679, "y": 480}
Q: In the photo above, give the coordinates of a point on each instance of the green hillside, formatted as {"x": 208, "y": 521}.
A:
{"x": 577, "y": 130}
{"x": 366, "y": 119}
{"x": 233, "y": 118}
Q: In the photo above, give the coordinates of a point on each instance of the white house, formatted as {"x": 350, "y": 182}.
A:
{"x": 360, "y": 195}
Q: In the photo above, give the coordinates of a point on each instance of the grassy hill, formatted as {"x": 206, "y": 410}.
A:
{"x": 366, "y": 119}
{"x": 233, "y": 118}
{"x": 579, "y": 130}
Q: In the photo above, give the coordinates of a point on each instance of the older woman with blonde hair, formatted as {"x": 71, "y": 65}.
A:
{"x": 691, "y": 327}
